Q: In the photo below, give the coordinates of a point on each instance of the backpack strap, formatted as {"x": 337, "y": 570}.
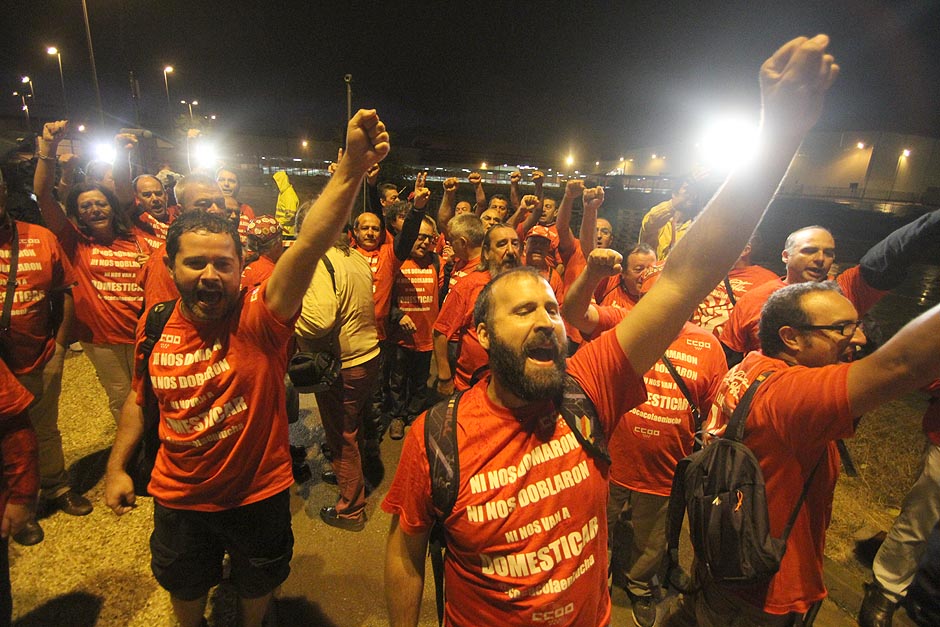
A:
{"x": 580, "y": 414}
{"x": 675, "y": 512}
{"x": 735, "y": 429}
{"x": 330, "y": 269}
{"x": 11, "y": 279}
{"x": 727, "y": 281}
{"x": 696, "y": 412}
{"x": 440, "y": 438}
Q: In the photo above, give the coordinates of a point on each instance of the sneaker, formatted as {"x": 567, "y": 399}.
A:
{"x": 30, "y": 534}
{"x": 396, "y": 430}
{"x": 349, "y": 522}
{"x": 644, "y": 611}
{"x": 72, "y": 503}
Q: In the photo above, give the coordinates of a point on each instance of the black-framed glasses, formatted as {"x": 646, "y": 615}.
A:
{"x": 845, "y": 329}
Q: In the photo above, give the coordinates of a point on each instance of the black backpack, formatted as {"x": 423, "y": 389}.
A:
{"x": 722, "y": 489}
{"x": 141, "y": 463}
{"x": 440, "y": 436}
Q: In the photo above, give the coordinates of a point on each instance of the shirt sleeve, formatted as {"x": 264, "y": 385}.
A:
{"x": 409, "y": 496}
{"x": 451, "y": 316}
{"x": 857, "y": 290}
{"x": 606, "y": 375}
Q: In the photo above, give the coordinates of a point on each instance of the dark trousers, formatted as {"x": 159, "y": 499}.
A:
{"x": 408, "y": 382}
{"x": 341, "y": 410}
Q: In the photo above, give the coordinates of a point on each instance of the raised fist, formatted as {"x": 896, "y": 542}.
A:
{"x": 593, "y": 198}
{"x": 574, "y": 188}
{"x": 605, "y": 262}
{"x": 450, "y": 184}
{"x": 367, "y": 141}
{"x": 794, "y": 82}
{"x": 529, "y": 202}
{"x": 515, "y": 177}
{"x": 475, "y": 178}
{"x": 372, "y": 175}
{"x": 125, "y": 141}
{"x": 54, "y": 131}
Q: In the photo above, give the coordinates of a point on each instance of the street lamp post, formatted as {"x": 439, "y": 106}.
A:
{"x": 91, "y": 56}
{"x": 28, "y": 81}
{"x": 190, "y": 105}
{"x": 52, "y": 50}
{"x": 25, "y": 108}
{"x": 166, "y": 83}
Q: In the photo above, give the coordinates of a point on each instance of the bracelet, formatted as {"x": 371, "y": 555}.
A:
{"x": 450, "y": 378}
{"x": 47, "y": 157}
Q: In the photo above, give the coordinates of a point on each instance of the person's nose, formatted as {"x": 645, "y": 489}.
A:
{"x": 858, "y": 338}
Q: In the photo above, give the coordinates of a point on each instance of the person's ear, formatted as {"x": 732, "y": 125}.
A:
{"x": 790, "y": 338}
{"x": 483, "y": 336}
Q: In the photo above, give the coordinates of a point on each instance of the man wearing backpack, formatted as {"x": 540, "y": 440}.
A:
{"x": 810, "y": 399}
{"x": 526, "y": 536}
{"x": 221, "y": 477}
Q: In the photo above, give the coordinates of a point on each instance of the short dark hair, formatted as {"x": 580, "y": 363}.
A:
{"x": 497, "y": 197}
{"x": 399, "y": 208}
{"x": 784, "y": 308}
{"x": 483, "y": 308}
{"x": 199, "y": 221}
{"x": 119, "y": 221}
{"x": 384, "y": 187}
{"x": 641, "y": 249}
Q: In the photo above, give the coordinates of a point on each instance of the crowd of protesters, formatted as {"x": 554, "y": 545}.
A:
{"x": 489, "y": 299}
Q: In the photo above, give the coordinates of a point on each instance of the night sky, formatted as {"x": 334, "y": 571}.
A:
{"x": 596, "y": 77}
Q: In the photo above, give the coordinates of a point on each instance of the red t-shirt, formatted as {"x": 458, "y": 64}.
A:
{"x": 461, "y": 269}
{"x": 654, "y": 436}
{"x": 19, "y": 482}
{"x": 527, "y": 538}
{"x": 417, "y": 286}
{"x": 740, "y": 332}
{"x": 384, "y": 265}
{"x": 796, "y": 416}
{"x": 713, "y": 312}
{"x": 14, "y": 398}
{"x": 107, "y": 296}
{"x": 152, "y": 230}
{"x": 42, "y": 269}
{"x": 611, "y": 293}
{"x": 155, "y": 280}
{"x": 456, "y": 319}
{"x": 257, "y": 271}
{"x": 223, "y": 423}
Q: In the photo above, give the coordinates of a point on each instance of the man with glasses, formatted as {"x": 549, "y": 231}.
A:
{"x": 811, "y": 398}
{"x": 809, "y": 254}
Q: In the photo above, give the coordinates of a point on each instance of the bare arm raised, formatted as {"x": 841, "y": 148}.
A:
{"x": 367, "y": 143}
{"x": 793, "y": 82}
{"x": 44, "y": 176}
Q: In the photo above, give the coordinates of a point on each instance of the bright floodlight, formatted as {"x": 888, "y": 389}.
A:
{"x": 104, "y": 151}
{"x": 81, "y": 128}
{"x": 906, "y": 152}
{"x": 52, "y": 50}
{"x": 483, "y": 165}
{"x": 304, "y": 143}
{"x": 860, "y": 145}
{"x": 205, "y": 155}
{"x": 569, "y": 160}
{"x": 195, "y": 102}
{"x": 729, "y": 142}
{"x": 168, "y": 69}
{"x": 25, "y": 80}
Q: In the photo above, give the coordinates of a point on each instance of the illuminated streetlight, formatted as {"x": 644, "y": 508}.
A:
{"x": 569, "y": 160}
{"x": 483, "y": 165}
{"x": 166, "y": 82}
{"x": 53, "y": 51}
{"x": 190, "y": 105}
{"x": 860, "y": 145}
{"x": 906, "y": 152}
{"x": 305, "y": 143}
{"x": 22, "y": 98}
{"x": 81, "y": 128}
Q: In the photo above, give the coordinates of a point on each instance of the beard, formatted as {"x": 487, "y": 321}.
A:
{"x": 509, "y": 367}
